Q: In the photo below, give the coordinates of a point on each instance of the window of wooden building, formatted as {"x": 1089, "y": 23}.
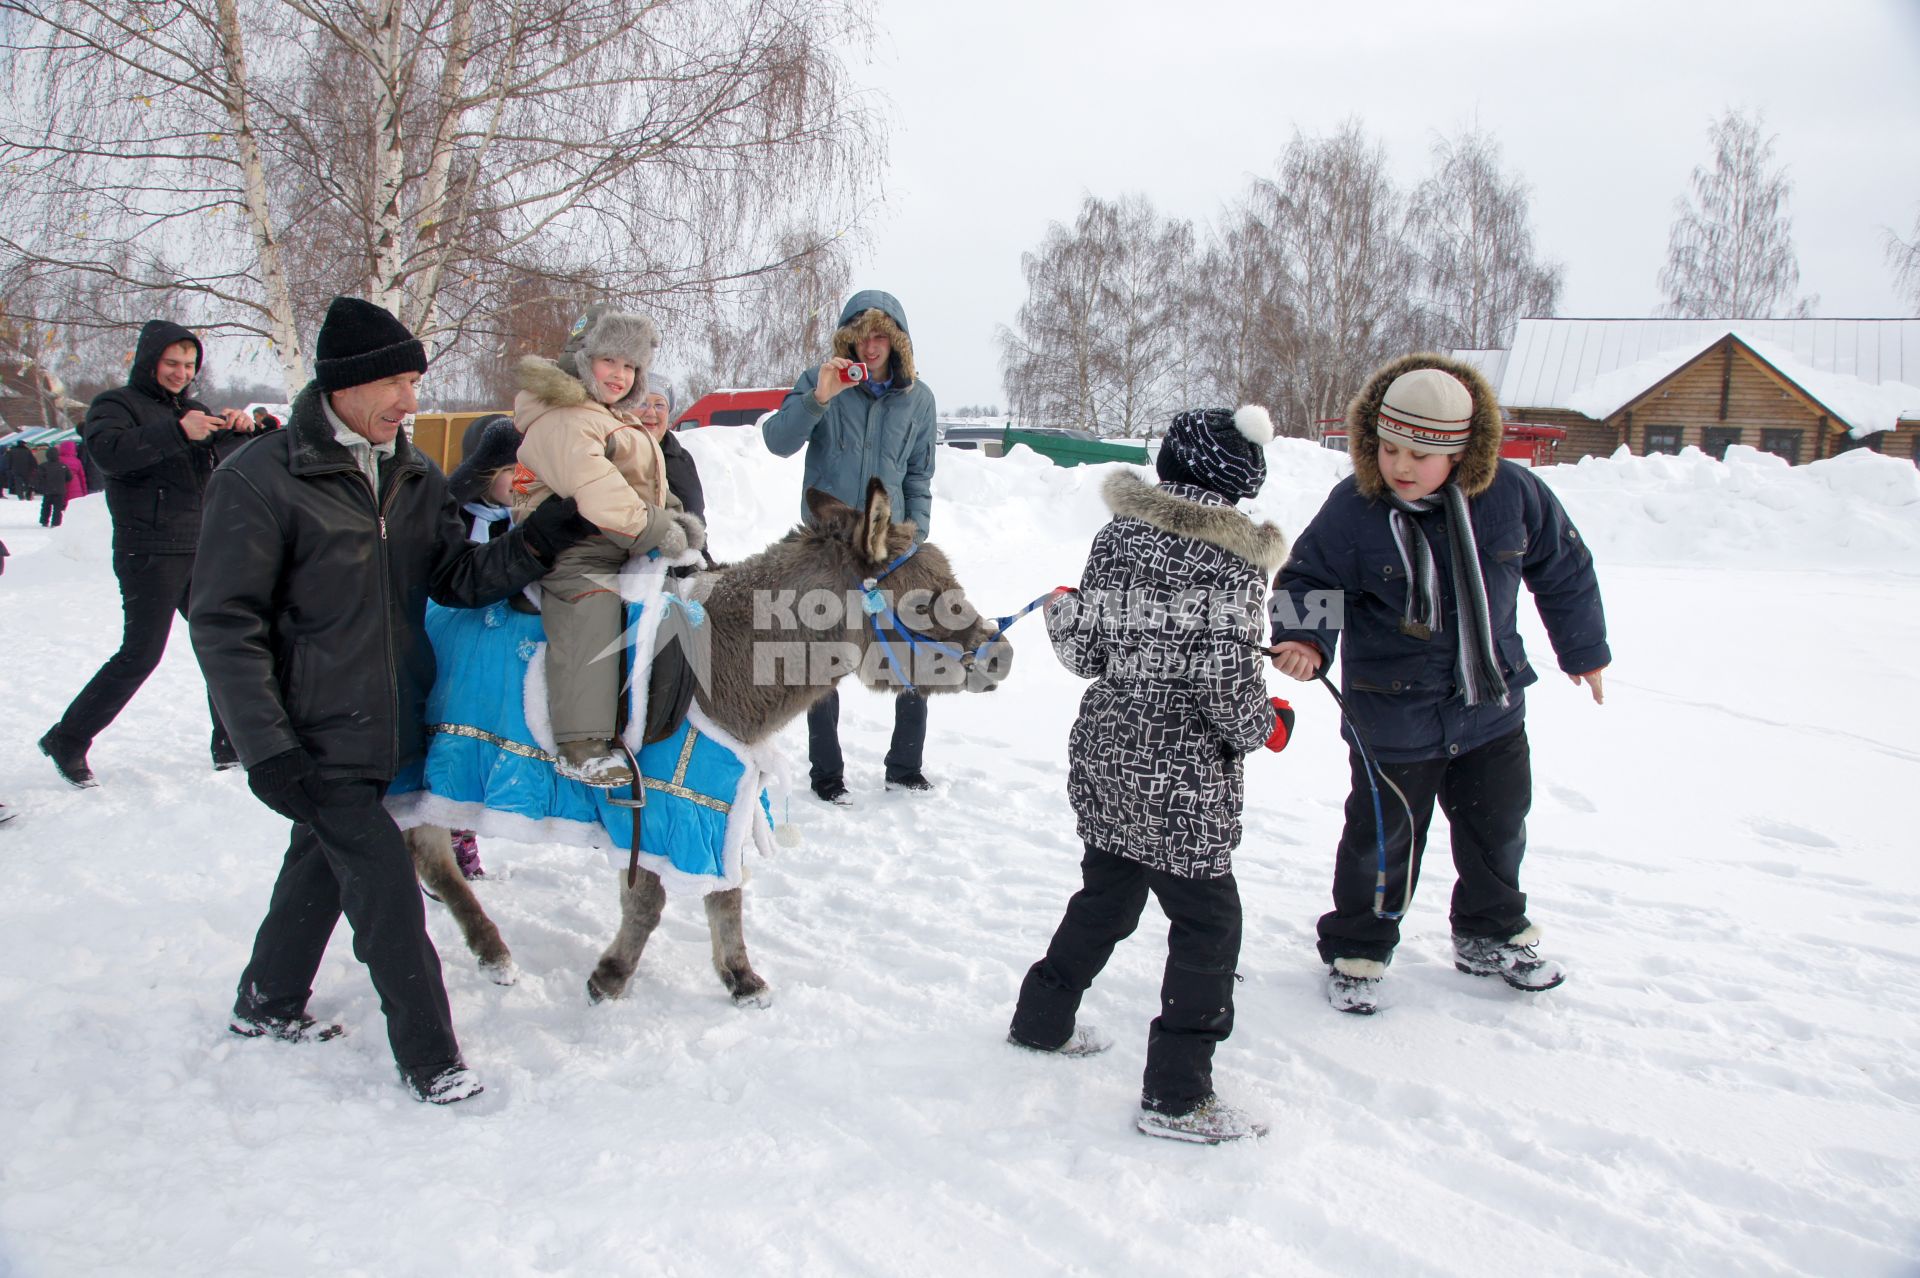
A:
{"x": 1663, "y": 439}
{"x": 1782, "y": 443}
{"x": 1716, "y": 440}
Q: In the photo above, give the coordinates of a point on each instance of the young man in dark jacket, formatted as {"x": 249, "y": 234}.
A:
{"x": 864, "y": 414}
{"x": 1426, "y": 545}
{"x": 323, "y": 543}
{"x": 157, "y": 447}
{"x": 51, "y": 479}
{"x": 21, "y": 463}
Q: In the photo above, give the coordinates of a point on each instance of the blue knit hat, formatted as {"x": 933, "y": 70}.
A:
{"x": 1218, "y": 449}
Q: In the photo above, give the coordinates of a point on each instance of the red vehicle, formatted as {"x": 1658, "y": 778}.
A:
{"x": 1525, "y": 442}
{"x": 730, "y": 408}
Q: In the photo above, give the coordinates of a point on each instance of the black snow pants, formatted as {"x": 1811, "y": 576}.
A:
{"x": 152, "y": 589}
{"x": 351, "y": 860}
{"x": 904, "y": 754}
{"x": 1486, "y": 794}
{"x": 1196, "y": 989}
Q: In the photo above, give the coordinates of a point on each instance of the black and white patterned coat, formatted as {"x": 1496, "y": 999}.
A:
{"x": 1170, "y": 607}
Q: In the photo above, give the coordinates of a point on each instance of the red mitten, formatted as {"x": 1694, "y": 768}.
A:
{"x": 1282, "y": 725}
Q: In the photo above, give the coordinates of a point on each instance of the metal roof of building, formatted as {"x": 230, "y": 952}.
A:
{"x": 1555, "y": 363}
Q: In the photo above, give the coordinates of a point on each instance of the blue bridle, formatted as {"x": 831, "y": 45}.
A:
{"x": 883, "y": 618}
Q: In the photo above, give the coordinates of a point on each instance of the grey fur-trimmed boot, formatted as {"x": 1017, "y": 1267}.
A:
{"x": 1353, "y": 985}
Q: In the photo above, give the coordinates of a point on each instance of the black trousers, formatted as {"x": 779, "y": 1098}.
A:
{"x": 52, "y": 511}
{"x": 1486, "y": 794}
{"x": 904, "y": 755}
{"x": 1196, "y": 989}
{"x": 351, "y": 860}
{"x": 152, "y": 589}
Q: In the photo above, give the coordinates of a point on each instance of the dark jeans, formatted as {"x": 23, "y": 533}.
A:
{"x": 1486, "y": 794}
{"x": 52, "y": 511}
{"x": 152, "y": 589}
{"x": 903, "y": 756}
{"x": 1196, "y": 989}
{"x": 351, "y": 860}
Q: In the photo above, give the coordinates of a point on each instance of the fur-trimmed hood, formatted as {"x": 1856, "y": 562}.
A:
{"x": 552, "y": 385}
{"x": 869, "y": 311}
{"x": 1478, "y": 464}
{"x": 1262, "y": 545}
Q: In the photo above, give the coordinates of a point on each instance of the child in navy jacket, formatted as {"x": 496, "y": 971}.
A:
{"x": 1417, "y": 560}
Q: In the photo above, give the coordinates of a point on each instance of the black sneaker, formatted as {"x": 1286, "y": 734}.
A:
{"x": 286, "y": 1029}
{"x": 910, "y": 781}
{"x": 833, "y": 790}
{"x": 443, "y": 1084}
{"x": 70, "y": 759}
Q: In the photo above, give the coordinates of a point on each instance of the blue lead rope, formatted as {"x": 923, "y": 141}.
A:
{"x": 881, "y": 616}
{"x": 1374, "y": 779}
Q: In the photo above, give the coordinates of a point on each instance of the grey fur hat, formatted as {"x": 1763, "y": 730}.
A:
{"x": 621, "y": 334}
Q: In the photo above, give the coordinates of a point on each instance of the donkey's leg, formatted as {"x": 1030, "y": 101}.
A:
{"x": 640, "y": 907}
{"x": 724, "y": 924}
{"x": 433, "y": 861}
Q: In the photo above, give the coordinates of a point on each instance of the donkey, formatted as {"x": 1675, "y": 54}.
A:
{"x": 843, "y": 554}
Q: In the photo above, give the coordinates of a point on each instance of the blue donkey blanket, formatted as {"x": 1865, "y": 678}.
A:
{"x": 489, "y": 762}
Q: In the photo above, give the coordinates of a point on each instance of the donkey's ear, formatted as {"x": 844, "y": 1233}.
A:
{"x": 873, "y": 541}
{"x": 823, "y": 508}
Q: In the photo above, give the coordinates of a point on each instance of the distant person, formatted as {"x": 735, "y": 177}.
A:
{"x": 581, "y": 439}
{"x": 21, "y": 463}
{"x": 873, "y": 422}
{"x": 52, "y": 480}
{"x": 323, "y": 543}
{"x": 158, "y": 447}
{"x": 1155, "y": 757}
{"x": 263, "y": 420}
{"x": 1428, "y": 543}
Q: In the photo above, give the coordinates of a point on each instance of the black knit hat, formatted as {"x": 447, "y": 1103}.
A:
{"x": 498, "y": 446}
{"x": 360, "y": 343}
{"x": 1219, "y": 450}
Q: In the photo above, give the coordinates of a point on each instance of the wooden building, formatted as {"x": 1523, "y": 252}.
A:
{"x": 1801, "y": 389}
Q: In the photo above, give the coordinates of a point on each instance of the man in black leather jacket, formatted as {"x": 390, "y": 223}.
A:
{"x": 321, "y": 546}
{"x": 157, "y": 447}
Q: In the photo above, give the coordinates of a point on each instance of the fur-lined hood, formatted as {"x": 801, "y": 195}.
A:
{"x": 1478, "y": 464}
{"x": 1262, "y": 545}
{"x": 869, "y": 311}
{"x": 550, "y": 384}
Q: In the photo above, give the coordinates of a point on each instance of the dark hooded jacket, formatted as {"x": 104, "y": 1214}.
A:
{"x": 1402, "y": 690}
{"x": 156, "y": 476}
{"x": 53, "y": 477}
{"x": 1167, "y": 624}
{"x": 309, "y": 601}
{"x": 857, "y": 436}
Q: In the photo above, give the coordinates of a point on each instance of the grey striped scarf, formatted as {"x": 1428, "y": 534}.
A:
{"x": 1477, "y": 666}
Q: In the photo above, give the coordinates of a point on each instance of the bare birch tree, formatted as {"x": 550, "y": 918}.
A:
{"x": 1730, "y": 252}
{"x": 1470, "y": 228}
{"x": 782, "y": 323}
{"x": 1098, "y": 344}
{"x": 1904, "y": 257}
{"x": 251, "y": 156}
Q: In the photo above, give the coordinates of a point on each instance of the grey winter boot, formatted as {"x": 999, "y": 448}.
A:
{"x": 593, "y": 763}
{"x": 1211, "y": 1122}
{"x": 1353, "y": 985}
{"x": 1512, "y": 960}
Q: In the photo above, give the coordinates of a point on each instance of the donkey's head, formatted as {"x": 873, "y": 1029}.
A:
{"x": 909, "y": 617}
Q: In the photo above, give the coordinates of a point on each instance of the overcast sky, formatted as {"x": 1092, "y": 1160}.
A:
{"x": 1002, "y": 115}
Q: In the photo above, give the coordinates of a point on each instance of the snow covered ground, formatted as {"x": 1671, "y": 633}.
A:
{"x": 1729, "y": 1084}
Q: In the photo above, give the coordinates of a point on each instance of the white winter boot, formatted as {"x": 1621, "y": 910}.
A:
{"x": 1353, "y": 985}
{"x": 1512, "y": 960}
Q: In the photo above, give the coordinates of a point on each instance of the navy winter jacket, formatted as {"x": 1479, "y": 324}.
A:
{"x": 1400, "y": 689}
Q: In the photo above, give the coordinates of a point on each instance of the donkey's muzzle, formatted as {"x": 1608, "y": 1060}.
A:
{"x": 990, "y": 666}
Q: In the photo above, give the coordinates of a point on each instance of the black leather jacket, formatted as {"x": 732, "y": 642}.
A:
{"x": 310, "y": 597}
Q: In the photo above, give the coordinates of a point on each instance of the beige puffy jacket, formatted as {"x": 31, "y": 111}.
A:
{"x": 574, "y": 446}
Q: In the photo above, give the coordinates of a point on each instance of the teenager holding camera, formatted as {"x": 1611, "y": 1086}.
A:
{"x": 864, "y": 415}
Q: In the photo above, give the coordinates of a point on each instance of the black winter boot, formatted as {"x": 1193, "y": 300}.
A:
{"x": 70, "y": 757}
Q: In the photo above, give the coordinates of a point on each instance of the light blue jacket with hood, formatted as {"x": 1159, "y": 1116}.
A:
{"x": 856, "y": 435}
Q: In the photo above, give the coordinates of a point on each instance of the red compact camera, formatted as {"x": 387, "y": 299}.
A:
{"x": 854, "y": 373}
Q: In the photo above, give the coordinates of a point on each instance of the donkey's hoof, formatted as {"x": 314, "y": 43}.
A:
{"x": 501, "y": 971}
{"x": 594, "y": 993}
{"x": 749, "y": 990}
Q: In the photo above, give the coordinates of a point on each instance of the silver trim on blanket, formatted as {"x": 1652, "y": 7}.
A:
{"x": 676, "y": 787}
